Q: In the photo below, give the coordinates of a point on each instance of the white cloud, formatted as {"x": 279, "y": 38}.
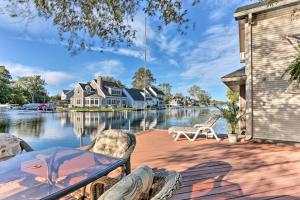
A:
{"x": 169, "y": 46}
{"x": 215, "y": 56}
{"x": 36, "y": 26}
{"x": 51, "y": 77}
{"x": 138, "y": 25}
{"x": 173, "y": 62}
{"x": 112, "y": 68}
{"x": 217, "y": 14}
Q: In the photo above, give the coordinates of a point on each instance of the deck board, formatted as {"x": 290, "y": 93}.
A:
{"x": 219, "y": 170}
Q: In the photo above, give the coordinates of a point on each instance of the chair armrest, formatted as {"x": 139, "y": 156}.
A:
{"x": 25, "y": 146}
{"x": 198, "y": 125}
{"x": 165, "y": 184}
{"x": 88, "y": 147}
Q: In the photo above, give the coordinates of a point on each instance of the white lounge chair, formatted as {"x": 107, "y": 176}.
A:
{"x": 192, "y": 133}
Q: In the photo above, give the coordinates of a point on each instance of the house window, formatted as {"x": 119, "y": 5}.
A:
{"x": 124, "y": 101}
{"x": 87, "y": 101}
{"x": 96, "y": 101}
{"x": 92, "y": 101}
{"x": 115, "y": 92}
{"x": 78, "y": 101}
{"x": 108, "y": 101}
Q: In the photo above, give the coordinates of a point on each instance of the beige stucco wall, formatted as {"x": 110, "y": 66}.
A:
{"x": 276, "y": 108}
{"x": 78, "y": 95}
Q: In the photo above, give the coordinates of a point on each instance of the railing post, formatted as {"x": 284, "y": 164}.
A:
{"x": 129, "y": 125}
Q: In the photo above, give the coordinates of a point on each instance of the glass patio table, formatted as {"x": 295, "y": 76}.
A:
{"x": 52, "y": 173}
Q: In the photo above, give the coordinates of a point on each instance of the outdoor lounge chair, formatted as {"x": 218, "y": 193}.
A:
{"x": 115, "y": 143}
{"x": 144, "y": 183}
{"x": 192, "y": 133}
{"x": 11, "y": 146}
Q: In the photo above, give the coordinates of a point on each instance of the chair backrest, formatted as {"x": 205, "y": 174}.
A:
{"x": 165, "y": 185}
{"x": 212, "y": 120}
{"x": 116, "y": 143}
{"x": 133, "y": 187}
{"x": 9, "y": 146}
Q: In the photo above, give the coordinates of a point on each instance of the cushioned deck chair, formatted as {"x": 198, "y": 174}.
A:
{"x": 145, "y": 183}
{"x": 115, "y": 143}
{"x": 192, "y": 133}
{"x": 11, "y": 146}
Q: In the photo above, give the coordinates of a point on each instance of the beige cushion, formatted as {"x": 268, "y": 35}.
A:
{"x": 176, "y": 129}
{"x": 9, "y": 145}
{"x": 133, "y": 187}
{"x": 112, "y": 142}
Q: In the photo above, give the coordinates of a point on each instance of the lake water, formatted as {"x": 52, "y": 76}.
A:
{"x": 74, "y": 129}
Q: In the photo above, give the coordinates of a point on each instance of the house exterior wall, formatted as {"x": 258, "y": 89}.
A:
{"x": 133, "y": 103}
{"x": 78, "y": 98}
{"x": 273, "y": 108}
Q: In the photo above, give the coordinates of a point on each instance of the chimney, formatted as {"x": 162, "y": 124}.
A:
{"x": 99, "y": 81}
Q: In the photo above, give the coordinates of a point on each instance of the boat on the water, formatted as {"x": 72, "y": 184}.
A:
{"x": 4, "y": 107}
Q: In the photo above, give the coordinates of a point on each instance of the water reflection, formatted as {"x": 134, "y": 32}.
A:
{"x": 72, "y": 129}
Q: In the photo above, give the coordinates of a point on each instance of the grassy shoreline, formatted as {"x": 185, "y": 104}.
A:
{"x": 94, "y": 109}
{"x": 107, "y": 109}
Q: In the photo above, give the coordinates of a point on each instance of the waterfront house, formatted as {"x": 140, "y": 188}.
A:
{"x": 155, "y": 97}
{"x": 66, "y": 95}
{"x": 135, "y": 98}
{"x": 269, "y": 38}
{"x": 176, "y": 102}
{"x": 99, "y": 93}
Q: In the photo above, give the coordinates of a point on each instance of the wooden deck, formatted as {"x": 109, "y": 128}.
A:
{"x": 218, "y": 170}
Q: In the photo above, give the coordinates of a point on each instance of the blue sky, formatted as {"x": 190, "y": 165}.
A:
{"x": 200, "y": 57}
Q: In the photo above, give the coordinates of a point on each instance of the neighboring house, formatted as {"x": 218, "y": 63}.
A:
{"x": 66, "y": 95}
{"x": 155, "y": 97}
{"x": 175, "y": 102}
{"x": 98, "y": 93}
{"x": 135, "y": 98}
{"x": 269, "y": 37}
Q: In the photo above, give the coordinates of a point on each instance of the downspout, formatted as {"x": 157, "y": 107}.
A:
{"x": 250, "y": 22}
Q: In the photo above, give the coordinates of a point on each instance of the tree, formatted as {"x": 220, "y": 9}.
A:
{"x": 33, "y": 87}
{"x": 109, "y": 21}
{"x": 233, "y": 97}
{"x": 202, "y": 96}
{"x": 112, "y": 79}
{"x": 143, "y": 78}
{"x": 179, "y": 96}
{"x": 232, "y": 115}
{"x": 5, "y": 79}
{"x": 166, "y": 88}
{"x": 17, "y": 95}
{"x": 54, "y": 98}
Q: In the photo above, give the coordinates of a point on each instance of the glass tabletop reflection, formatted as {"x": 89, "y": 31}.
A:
{"x": 52, "y": 173}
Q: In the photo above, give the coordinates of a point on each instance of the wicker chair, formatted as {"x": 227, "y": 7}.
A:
{"x": 11, "y": 146}
{"x": 145, "y": 184}
{"x": 115, "y": 143}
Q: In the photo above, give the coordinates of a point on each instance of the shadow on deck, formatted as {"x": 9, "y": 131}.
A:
{"x": 218, "y": 170}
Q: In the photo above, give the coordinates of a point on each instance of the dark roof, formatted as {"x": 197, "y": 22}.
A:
{"x": 109, "y": 84}
{"x": 90, "y": 94}
{"x": 70, "y": 94}
{"x": 135, "y": 94}
{"x": 105, "y": 85}
{"x": 150, "y": 92}
{"x": 238, "y": 73}
{"x": 250, "y": 6}
{"x": 82, "y": 85}
{"x": 66, "y": 91}
{"x": 157, "y": 91}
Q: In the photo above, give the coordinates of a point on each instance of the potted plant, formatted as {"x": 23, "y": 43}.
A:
{"x": 231, "y": 113}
